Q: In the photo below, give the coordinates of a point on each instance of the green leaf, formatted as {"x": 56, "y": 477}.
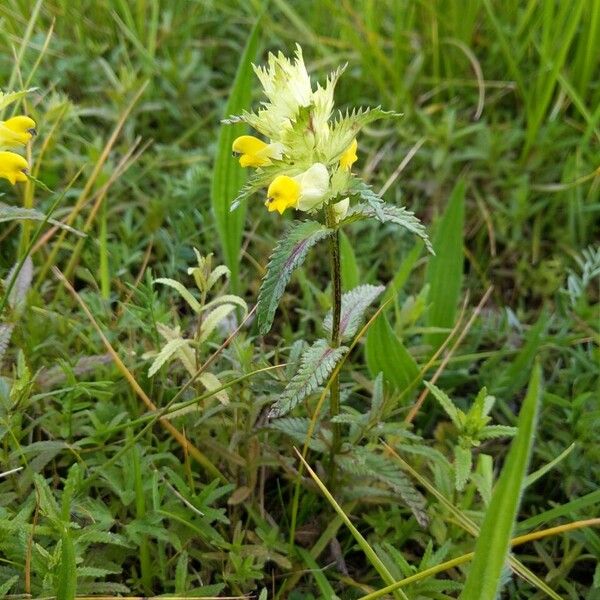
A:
{"x": 183, "y": 292}
{"x": 445, "y": 269}
{"x": 374, "y": 207}
{"x": 316, "y": 364}
{"x": 354, "y": 305}
{"x": 297, "y": 429}
{"x": 456, "y": 415}
{"x": 167, "y": 351}
{"x": 386, "y": 353}
{"x": 6, "y": 585}
{"x": 346, "y": 126}
{"x": 363, "y": 462}
{"x": 17, "y": 213}
{"x": 491, "y": 551}
{"x": 66, "y": 580}
{"x": 289, "y": 253}
{"x": 228, "y": 176}
{"x": 463, "y": 462}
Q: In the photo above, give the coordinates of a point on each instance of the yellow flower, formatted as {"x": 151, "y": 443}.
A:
{"x": 16, "y": 130}
{"x": 254, "y": 152}
{"x": 306, "y": 191}
{"x": 283, "y": 193}
{"x": 349, "y": 156}
{"x": 13, "y": 167}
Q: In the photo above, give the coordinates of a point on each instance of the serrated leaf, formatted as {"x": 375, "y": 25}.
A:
{"x": 6, "y": 99}
{"x": 211, "y": 382}
{"x": 491, "y": 550}
{"x": 365, "y": 463}
{"x": 212, "y": 319}
{"x": 316, "y": 364}
{"x": 289, "y": 253}
{"x": 168, "y": 350}
{"x": 463, "y": 462}
{"x": 496, "y": 431}
{"x": 297, "y": 429}
{"x": 346, "y": 126}
{"x": 183, "y": 292}
{"x": 354, "y": 305}
{"x": 456, "y": 415}
{"x": 17, "y": 213}
{"x": 5, "y": 586}
{"x": 373, "y": 206}
{"x": 22, "y": 282}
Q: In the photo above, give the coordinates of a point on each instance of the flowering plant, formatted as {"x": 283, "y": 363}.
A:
{"x": 305, "y": 159}
{"x": 14, "y": 132}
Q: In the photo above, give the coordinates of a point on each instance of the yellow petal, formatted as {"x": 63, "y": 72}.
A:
{"x": 13, "y": 167}
{"x": 254, "y": 152}
{"x": 284, "y": 192}
{"x": 16, "y": 130}
{"x": 349, "y": 156}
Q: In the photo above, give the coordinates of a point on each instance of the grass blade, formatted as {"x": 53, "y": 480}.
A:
{"x": 491, "y": 550}
{"x": 228, "y": 176}
{"x": 360, "y": 540}
{"x": 445, "y": 269}
{"x": 385, "y": 353}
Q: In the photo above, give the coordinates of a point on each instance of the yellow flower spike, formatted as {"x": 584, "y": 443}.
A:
{"x": 349, "y": 156}
{"x": 13, "y": 167}
{"x": 284, "y": 192}
{"x": 16, "y": 130}
{"x": 253, "y": 152}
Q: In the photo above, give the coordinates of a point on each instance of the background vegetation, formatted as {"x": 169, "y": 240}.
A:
{"x": 497, "y": 153}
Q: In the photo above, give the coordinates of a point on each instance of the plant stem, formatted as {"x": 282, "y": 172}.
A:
{"x": 336, "y": 302}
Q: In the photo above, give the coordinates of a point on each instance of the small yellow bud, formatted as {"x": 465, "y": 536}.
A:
{"x": 13, "y": 167}
{"x": 284, "y": 192}
{"x": 349, "y": 156}
{"x": 16, "y": 130}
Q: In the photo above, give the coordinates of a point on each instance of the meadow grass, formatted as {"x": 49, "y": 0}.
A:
{"x": 113, "y": 482}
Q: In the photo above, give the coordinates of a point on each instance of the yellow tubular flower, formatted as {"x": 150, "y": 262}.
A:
{"x": 284, "y": 192}
{"x": 253, "y": 152}
{"x": 349, "y": 156}
{"x": 16, "y": 130}
{"x": 13, "y": 167}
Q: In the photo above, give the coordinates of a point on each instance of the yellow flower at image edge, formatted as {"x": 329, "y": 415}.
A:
{"x": 254, "y": 152}
{"x": 349, "y": 156}
{"x": 16, "y": 130}
{"x": 13, "y": 167}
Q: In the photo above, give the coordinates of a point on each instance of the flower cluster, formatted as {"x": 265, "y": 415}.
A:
{"x": 14, "y": 132}
{"x": 306, "y": 155}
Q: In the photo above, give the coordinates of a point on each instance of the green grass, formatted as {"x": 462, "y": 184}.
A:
{"x": 497, "y": 153}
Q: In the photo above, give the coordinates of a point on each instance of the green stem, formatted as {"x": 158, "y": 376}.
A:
{"x": 336, "y": 302}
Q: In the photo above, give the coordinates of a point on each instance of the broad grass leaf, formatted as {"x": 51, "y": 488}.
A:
{"x": 385, "y": 353}
{"x": 354, "y": 305}
{"x": 445, "y": 269}
{"x": 491, "y": 551}
{"x": 289, "y": 253}
{"x": 316, "y": 364}
{"x": 228, "y": 176}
